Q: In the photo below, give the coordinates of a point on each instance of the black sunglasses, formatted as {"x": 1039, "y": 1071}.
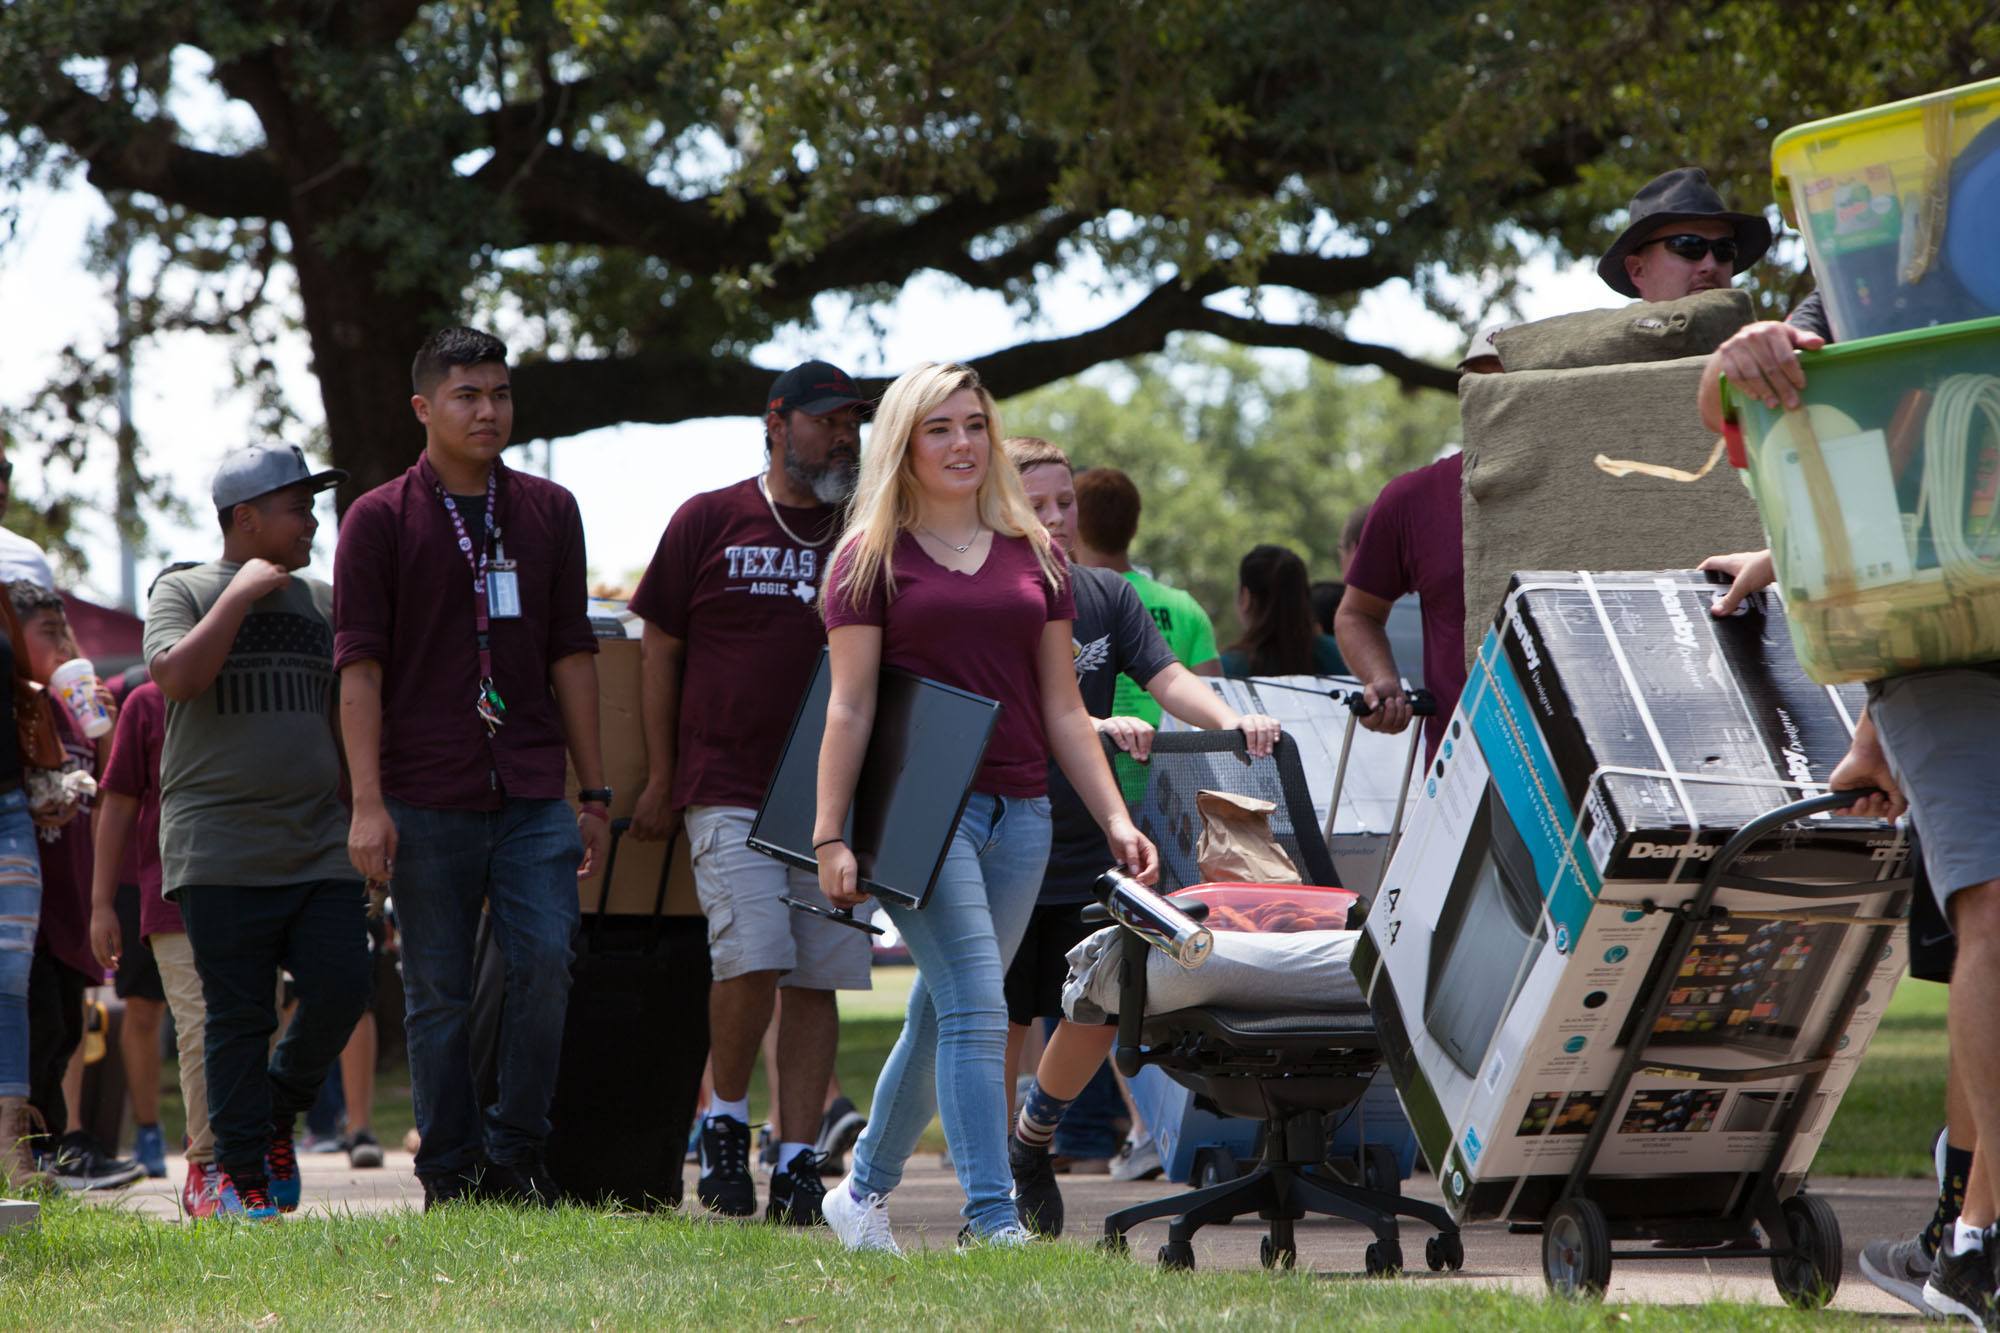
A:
{"x": 1691, "y": 247}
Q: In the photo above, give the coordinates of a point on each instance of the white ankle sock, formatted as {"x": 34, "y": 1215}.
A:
{"x": 1965, "y": 1238}
{"x": 787, "y": 1151}
{"x": 738, "y": 1110}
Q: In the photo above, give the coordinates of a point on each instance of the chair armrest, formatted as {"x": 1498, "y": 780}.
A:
{"x": 1130, "y": 1054}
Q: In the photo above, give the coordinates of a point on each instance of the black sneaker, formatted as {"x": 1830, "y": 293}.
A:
{"x": 1037, "y": 1198}
{"x": 725, "y": 1186}
{"x": 445, "y": 1190}
{"x": 798, "y": 1195}
{"x": 1962, "y": 1285}
{"x": 839, "y": 1129}
{"x": 80, "y": 1165}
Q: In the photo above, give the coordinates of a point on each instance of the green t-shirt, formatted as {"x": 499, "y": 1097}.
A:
{"x": 1187, "y": 630}
{"x": 249, "y": 772}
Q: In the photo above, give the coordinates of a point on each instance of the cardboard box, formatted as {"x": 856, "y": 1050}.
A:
{"x": 623, "y": 735}
{"x": 1611, "y": 738}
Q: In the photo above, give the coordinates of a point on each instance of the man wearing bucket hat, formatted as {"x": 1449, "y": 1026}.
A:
{"x": 1679, "y": 240}
{"x": 253, "y": 835}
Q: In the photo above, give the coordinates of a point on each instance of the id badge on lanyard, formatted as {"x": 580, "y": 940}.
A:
{"x": 503, "y": 586}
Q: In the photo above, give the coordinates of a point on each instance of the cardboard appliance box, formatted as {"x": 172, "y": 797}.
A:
{"x": 1612, "y": 736}
{"x": 624, "y": 739}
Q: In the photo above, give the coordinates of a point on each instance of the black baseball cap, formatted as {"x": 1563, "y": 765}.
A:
{"x": 815, "y": 388}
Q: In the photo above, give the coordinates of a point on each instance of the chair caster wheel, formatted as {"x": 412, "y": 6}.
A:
{"x": 1114, "y": 1243}
{"x": 1445, "y": 1250}
{"x": 1177, "y": 1254}
{"x": 1384, "y": 1258}
{"x": 1272, "y": 1255}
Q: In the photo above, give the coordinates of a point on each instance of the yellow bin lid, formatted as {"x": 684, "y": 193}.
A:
{"x": 1857, "y": 140}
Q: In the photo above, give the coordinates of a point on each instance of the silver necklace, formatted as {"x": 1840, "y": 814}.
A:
{"x": 765, "y": 491}
{"x": 952, "y": 544}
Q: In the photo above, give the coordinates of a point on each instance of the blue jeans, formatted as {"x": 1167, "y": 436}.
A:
{"x": 20, "y": 917}
{"x": 520, "y": 862}
{"x": 951, "y": 1056}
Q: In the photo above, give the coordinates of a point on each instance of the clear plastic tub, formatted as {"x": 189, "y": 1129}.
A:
{"x": 1272, "y": 908}
{"x": 1881, "y": 497}
{"x": 1897, "y": 204}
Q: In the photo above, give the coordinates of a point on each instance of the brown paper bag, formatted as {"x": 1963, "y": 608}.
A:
{"x": 1237, "y": 845}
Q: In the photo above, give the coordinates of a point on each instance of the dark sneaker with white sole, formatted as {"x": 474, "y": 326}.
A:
{"x": 1038, "y": 1200}
{"x": 1961, "y": 1286}
{"x": 798, "y": 1195}
{"x": 726, "y": 1186}
{"x": 1898, "y": 1267}
{"x": 839, "y": 1129}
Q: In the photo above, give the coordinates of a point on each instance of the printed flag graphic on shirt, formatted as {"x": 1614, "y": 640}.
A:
{"x": 281, "y": 662}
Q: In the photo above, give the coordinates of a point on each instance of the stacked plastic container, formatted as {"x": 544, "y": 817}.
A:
{"x": 1881, "y": 493}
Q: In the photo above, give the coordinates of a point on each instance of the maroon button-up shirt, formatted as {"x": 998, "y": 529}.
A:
{"x": 402, "y": 596}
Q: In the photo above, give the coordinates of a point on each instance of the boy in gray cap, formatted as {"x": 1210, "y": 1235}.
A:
{"x": 253, "y": 836}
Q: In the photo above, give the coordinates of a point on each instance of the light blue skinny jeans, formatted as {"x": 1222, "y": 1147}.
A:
{"x": 951, "y": 1056}
{"x": 20, "y": 916}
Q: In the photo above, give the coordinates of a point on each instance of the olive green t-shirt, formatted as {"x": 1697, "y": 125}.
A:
{"x": 249, "y": 771}
{"x": 1186, "y": 628}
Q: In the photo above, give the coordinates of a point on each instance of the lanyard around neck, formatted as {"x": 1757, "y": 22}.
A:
{"x": 488, "y": 703}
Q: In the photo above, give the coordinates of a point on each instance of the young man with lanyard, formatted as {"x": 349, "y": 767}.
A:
{"x": 467, "y": 668}
{"x": 252, "y": 832}
{"x": 732, "y": 636}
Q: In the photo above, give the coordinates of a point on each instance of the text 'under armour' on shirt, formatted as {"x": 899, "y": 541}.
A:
{"x": 249, "y": 773}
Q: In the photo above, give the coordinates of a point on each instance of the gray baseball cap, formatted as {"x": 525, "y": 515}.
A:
{"x": 259, "y": 469}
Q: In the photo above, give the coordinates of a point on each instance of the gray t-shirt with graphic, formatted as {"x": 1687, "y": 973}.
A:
{"x": 250, "y": 773}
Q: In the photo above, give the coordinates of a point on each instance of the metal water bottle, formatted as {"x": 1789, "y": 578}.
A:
{"x": 1155, "y": 920}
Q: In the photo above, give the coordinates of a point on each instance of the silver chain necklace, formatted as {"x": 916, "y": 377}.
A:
{"x": 952, "y": 544}
{"x": 765, "y": 491}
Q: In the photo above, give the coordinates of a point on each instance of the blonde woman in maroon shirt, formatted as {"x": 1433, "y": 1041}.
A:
{"x": 945, "y": 571}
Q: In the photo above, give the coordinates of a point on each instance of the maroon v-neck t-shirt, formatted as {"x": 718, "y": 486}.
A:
{"x": 981, "y": 632}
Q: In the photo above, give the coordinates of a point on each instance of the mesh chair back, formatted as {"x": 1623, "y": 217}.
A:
{"x": 1186, "y": 763}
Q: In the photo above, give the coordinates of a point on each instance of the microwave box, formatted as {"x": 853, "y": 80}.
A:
{"x": 1612, "y": 736}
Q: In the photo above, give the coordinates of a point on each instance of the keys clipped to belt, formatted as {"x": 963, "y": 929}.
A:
{"x": 490, "y": 706}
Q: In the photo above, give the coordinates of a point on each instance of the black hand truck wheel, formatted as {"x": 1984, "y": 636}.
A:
{"x": 1576, "y": 1250}
{"x": 1808, "y": 1277}
{"x": 1380, "y": 1170}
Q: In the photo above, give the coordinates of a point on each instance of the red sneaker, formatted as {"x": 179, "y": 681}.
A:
{"x": 199, "y": 1192}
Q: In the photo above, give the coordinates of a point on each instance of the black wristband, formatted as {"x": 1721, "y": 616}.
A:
{"x": 594, "y": 796}
{"x": 827, "y": 842}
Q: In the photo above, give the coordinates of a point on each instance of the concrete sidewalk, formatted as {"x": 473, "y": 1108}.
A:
{"x": 925, "y": 1211}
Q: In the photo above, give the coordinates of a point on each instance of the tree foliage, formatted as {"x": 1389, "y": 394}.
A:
{"x": 1229, "y": 452}
{"x": 639, "y": 193}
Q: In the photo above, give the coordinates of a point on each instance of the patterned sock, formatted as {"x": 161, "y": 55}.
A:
{"x": 1951, "y": 1198}
{"x": 1040, "y": 1114}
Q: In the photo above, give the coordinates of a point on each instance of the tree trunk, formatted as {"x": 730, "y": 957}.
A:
{"x": 363, "y": 339}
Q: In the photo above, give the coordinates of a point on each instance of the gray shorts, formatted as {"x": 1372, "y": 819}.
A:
{"x": 1941, "y": 732}
{"x": 749, "y": 927}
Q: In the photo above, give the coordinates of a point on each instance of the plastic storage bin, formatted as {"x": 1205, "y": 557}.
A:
{"x": 1881, "y": 496}
{"x": 1898, "y": 206}
{"x": 1181, "y": 1129}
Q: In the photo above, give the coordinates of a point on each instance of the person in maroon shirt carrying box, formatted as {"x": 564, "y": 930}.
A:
{"x": 945, "y": 571}
{"x": 732, "y": 636}
{"x": 467, "y": 668}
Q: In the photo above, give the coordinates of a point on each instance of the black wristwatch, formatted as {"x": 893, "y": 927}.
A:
{"x": 594, "y": 796}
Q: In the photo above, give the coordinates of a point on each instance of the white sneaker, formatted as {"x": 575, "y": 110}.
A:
{"x": 861, "y": 1225}
{"x": 1008, "y": 1237}
{"x": 1138, "y": 1160}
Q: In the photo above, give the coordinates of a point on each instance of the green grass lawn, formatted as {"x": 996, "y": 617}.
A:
{"x": 91, "y": 1268}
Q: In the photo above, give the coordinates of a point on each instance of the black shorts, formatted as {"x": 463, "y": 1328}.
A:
{"x": 1035, "y": 981}
{"x": 138, "y": 974}
{"x": 1933, "y": 946}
